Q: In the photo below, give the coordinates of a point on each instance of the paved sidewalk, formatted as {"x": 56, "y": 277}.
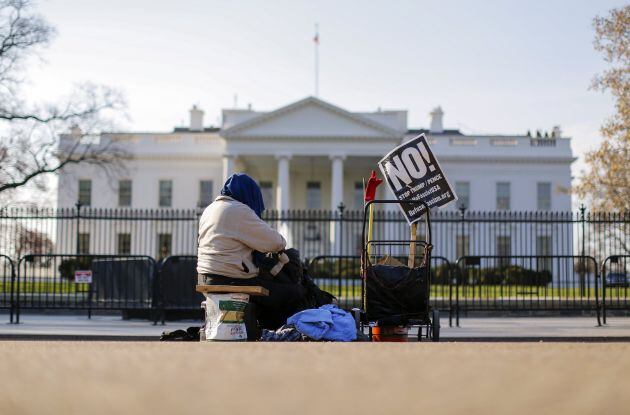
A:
{"x": 153, "y": 378}
{"x": 485, "y": 328}
{"x": 81, "y": 326}
{"x": 537, "y": 327}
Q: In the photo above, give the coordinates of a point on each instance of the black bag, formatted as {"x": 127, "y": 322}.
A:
{"x": 291, "y": 272}
{"x": 191, "y": 334}
{"x": 294, "y": 272}
{"x": 395, "y": 294}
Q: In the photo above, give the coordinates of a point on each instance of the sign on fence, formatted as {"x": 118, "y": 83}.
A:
{"x": 413, "y": 173}
{"x": 83, "y": 277}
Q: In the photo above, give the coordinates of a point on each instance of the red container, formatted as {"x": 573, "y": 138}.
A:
{"x": 399, "y": 334}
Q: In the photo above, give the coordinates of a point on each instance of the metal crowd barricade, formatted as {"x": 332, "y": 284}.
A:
{"x": 7, "y": 299}
{"x": 615, "y": 284}
{"x": 441, "y": 296}
{"x": 85, "y": 282}
{"x": 527, "y": 283}
{"x": 339, "y": 275}
{"x": 176, "y": 281}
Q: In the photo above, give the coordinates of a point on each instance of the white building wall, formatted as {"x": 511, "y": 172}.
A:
{"x": 523, "y": 178}
{"x": 145, "y": 176}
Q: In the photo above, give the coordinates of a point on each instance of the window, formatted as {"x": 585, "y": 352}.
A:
{"x": 205, "y": 192}
{"x": 85, "y": 192}
{"x": 124, "y": 244}
{"x": 503, "y": 196}
{"x": 543, "y": 191}
{"x": 504, "y": 248}
{"x": 267, "y": 192}
{"x": 166, "y": 193}
{"x": 84, "y": 243}
{"x": 312, "y": 233}
{"x": 463, "y": 142}
{"x": 124, "y": 193}
{"x": 313, "y": 195}
{"x": 463, "y": 193}
{"x": 543, "y": 248}
{"x": 358, "y": 195}
{"x": 463, "y": 246}
{"x": 164, "y": 245}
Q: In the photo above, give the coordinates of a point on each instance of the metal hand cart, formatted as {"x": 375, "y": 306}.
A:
{"x": 392, "y": 252}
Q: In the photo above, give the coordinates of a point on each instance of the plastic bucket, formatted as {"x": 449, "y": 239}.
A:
{"x": 390, "y": 334}
{"x": 225, "y": 317}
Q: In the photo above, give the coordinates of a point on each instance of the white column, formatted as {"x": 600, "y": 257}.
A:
{"x": 284, "y": 182}
{"x": 336, "y": 185}
{"x": 283, "y": 194}
{"x": 336, "y": 197}
{"x": 228, "y": 166}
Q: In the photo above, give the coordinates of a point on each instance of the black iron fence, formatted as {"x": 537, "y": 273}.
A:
{"x": 527, "y": 283}
{"x": 40, "y": 240}
{"x": 162, "y": 232}
{"x": 84, "y": 282}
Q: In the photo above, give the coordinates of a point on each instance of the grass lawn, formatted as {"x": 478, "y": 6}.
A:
{"x": 486, "y": 292}
{"x": 43, "y": 287}
{"x": 352, "y": 289}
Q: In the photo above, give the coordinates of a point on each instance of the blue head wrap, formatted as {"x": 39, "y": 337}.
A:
{"x": 243, "y": 188}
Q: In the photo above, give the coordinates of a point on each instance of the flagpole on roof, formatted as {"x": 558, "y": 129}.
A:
{"x": 316, "y": 41}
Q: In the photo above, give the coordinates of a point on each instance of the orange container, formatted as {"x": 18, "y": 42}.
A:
{"x": 390, "y": 334}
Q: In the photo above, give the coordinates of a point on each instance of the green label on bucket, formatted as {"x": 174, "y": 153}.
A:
{"x": 232, "y": 311}
{"x": 231, "y": 305}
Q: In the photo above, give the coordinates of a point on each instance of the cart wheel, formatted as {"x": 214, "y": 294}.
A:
{"x": 435, "y": 325}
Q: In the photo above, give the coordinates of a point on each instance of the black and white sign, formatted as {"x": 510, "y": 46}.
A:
{"x": 413, "y": 173}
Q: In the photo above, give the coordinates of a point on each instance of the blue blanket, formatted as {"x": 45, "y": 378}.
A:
{"x": 325, "y": 323}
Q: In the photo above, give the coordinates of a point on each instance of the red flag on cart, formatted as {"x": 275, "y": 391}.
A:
{"x": 370, "y": 189}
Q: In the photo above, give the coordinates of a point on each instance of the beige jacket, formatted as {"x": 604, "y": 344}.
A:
{"x": 228, "y": 233}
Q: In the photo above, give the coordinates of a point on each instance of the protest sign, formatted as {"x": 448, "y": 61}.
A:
{"x": 413, "y": 173}
{"x": 83, "y": 277}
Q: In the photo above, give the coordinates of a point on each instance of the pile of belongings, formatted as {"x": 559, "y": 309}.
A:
{"x": 292, "y": 271}
{"x": 327, "y": 323}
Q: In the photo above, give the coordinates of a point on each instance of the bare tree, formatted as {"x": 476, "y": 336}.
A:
{"x": 32, "y": 143}
{"x": 29, "y": 241}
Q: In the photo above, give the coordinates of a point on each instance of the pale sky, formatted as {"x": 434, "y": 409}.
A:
{"x": 494, "y": 66}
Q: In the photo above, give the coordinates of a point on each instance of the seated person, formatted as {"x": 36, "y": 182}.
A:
{"x": 230, "y": 229}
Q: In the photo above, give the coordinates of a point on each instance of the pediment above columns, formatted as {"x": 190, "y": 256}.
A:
{"x": 310, "y": 118}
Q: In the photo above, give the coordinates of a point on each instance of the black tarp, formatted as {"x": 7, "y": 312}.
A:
{"x": 123, "y": 280}
{"x": 177, "y": 280}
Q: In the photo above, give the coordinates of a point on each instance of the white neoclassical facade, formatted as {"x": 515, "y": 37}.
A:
{"x": 312, "y": 154}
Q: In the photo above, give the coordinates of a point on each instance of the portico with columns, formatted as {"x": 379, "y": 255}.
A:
{"x": 310, "y": 144}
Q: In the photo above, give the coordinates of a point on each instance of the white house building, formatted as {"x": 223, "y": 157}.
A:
{"x": 313, "y": 155}
{"x": 310, "y": 155}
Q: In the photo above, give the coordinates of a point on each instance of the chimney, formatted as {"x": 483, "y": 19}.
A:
{"x": 556, "y": 132}
{"x": 436, "y": 120}
{"x": 196, "y": 119}
{"x": 75, "y": 131}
